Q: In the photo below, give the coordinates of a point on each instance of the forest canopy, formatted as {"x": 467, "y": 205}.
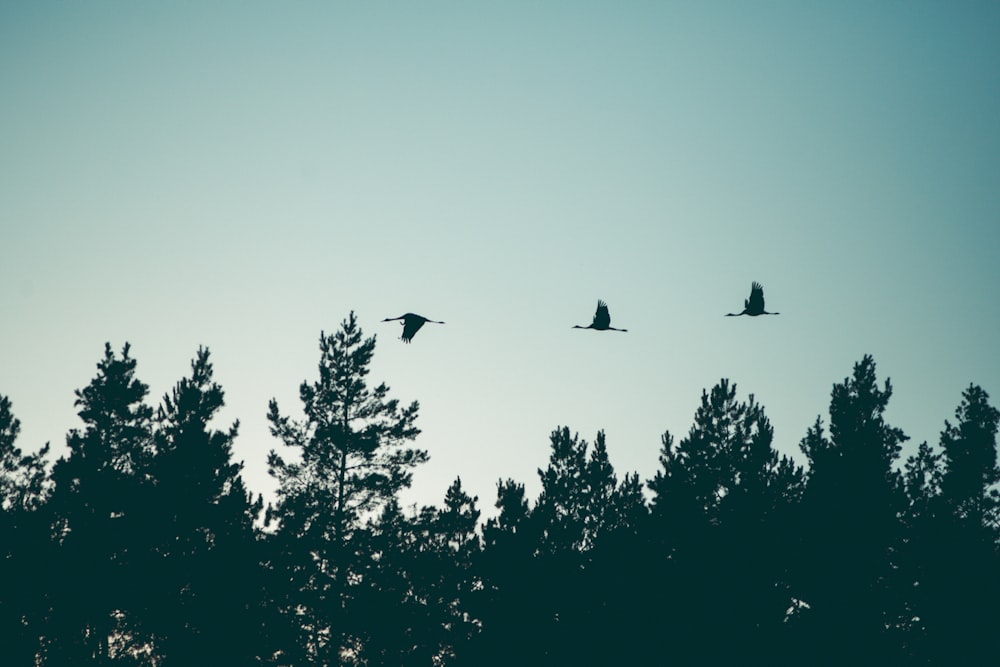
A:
{"x": 142, "y": 545}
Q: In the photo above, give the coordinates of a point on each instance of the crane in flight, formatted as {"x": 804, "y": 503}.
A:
{"x": 602, "y": 319}
{"x": 753, "y": 306}
{"x": 411, "y": 324}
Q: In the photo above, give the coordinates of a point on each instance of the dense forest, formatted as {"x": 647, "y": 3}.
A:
{"x": 142, "y": 545}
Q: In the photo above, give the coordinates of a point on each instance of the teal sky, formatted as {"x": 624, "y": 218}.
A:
{"x": 242, "y": 175}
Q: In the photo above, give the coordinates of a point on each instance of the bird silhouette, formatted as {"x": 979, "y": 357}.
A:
{"x": 602, "y": 319}
{"x": 411, "y": 325}
{"x": 753, "y": 306}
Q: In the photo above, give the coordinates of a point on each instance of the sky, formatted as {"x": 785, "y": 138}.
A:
{"x": 242, "y": 175}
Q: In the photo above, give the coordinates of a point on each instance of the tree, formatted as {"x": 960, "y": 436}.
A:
{"x": 446, "y": 575}
{"x": 851, "y": 532}
{"x": 102, "y": 506}
{"x": 970, "y": 477}
{"x": 513, "y": 624}
{"x": 204, "y": 558}
{"x": 352, "y": 459}
{"x": 719, "y": 534}
{"x": 546, "y": 593}
{"x": 419, "y": 581}
{"x": 23, "y": 477}
{"x": 24, "y": 543}
{"x": 952, "y": 517}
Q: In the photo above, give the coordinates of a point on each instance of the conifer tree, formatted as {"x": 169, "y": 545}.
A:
{"x": 24, "y": 544}
{"x": 101, "y": 506}
{"x": 23, "y": 477}
{"x": 352, "y": 457}
{"x": 718, "y": 532}
{"x": 954, "y": 524}
{"x": 204, "y": 557}
{"x": 419, "y": 580}
{"x": 851, "y": 532}
{"x": 512, "y": 624}
{"x": 970, "y": 476}
{"x": 452, "y": 548}
{"x": 543, "y": 568}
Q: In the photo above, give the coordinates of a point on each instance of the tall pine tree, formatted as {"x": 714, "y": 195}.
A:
{"x": 954, "y": 524}
{"x": 352, "y": 457}
{"x": 718, "y": 555}
{"x": 851, "y": 532}
{"x": 102, "y": 510}
{"x": 549, "y": 573}
{"x": 204, "y": 557}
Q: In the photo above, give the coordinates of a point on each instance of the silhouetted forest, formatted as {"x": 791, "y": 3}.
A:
{"x": 142, "y": 546}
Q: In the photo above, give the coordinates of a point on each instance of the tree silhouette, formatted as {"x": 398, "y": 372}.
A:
{"x": 205, "y": 556}
{"x": 352, "y": 459}
{"x": 851, "y": 531}
{"x": 513, "y": 624}
{"x": 139, "y": 547}
{"x": 719, "y": 534}
{"x": 419, "y": 580}
{"x": 953, "y": 518}
{"x": 970, "y": 475}
{"x": 24, "y": 544}
{"x": 100, "y": 505}
{"x": 544, "y": 570}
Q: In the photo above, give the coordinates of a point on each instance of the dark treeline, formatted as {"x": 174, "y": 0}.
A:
{"x": 142, "y": 546}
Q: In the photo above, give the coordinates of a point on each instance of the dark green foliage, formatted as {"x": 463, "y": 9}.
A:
{"x": 548, "y": 572}
{"x": 23, "y": 477}
{"x": 155, "y": 558}
{"x": 419, "y": 581}
{"x": 206, "y": 608}
{"x": 719, "y": 534}
{"x": 851, "y": 530}
{"x": 139, "y": 548}
{"x": 970, "y": 474}
{"x": 24, "y": 546}
{"x": 505, "y": 601}
{"x": 951, "y": 560}
{"x": 101, "y": 506}
{"x": 352, "y": 458}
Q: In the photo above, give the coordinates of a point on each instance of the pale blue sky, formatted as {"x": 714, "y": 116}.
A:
{"x": 242, "y": 175}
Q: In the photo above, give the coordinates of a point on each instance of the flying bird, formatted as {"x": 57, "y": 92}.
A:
{"x": 602, "y": 319}
{"x": 755, "y": 304}
{"x": 411, "y": 325}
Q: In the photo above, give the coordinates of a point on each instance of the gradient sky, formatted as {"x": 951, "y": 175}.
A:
{"x": 242, "y": 175}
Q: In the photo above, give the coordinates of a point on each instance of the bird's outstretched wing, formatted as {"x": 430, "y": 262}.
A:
{"x": 602, "y": 318}
{"x": 756, "y": 301}
{"x": 411, "y": 325}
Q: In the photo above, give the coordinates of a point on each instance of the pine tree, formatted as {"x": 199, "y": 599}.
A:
{"x": 546, "y": 570}
{"x": 452, "y": 549}
{"x": 102, "y": 505}
{"x": 352, "y": 459}
{"x": 23, "y": 477}
{"x": 718, "y": 533}
{"x": 418, "y": 583}
{"x": 954, "y": 525}
{"x": 204, "y": 554}
{"x": 919, "y": 556}
{"x": 513, "y": 623}
{"x": 24, "y": 545}
{"x": 970, "y": 477}
{"x": 851, "y": 532}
